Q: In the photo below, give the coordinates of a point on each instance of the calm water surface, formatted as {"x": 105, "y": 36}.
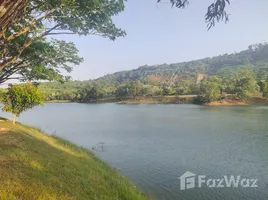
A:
{"x": 155, "y": 144}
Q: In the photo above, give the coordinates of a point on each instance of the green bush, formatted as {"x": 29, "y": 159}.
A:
{"x": 265, "y": 90}
{"x": 199, "y": 100}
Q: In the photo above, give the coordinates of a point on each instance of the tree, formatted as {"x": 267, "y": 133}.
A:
{"x": 187, "y": 85}
{"x": 43, "y": 18}
{"x": 90, "y": 92}
{"x": 265, "y": 90}
{"x": 245, "y": 84}
{"x": 20, "y": 98}
{"x": 46, "y": 18}
{"x": 43, "y": 61}
{"x": 134, "y": 88}
{"x": 211, "y": 88}
{"x": 96, "y": 92}
{"x": 10, "y": 10}
{"x": 83, "y": 93}
{"x": 168, "y": 90}
{"x": 121, "y": 92}
{"x": 157, "y": 91}
{"x": 2, "y": 92}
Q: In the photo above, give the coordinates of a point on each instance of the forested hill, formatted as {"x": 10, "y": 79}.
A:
{"x": 228, "y": 73}
{"x": 255, "y": 57}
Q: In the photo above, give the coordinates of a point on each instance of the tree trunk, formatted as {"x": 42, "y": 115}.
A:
{"x": 14, "y": 118}
{"x": 10, "y": 11}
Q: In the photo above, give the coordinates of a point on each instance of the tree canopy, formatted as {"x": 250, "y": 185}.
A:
{"x": 90, "y": 93}
{"x": 265, "y": 90}
{"x": 24, "y": 25}
{"x": 43, "y": 60}
{"x": 20, "y": 98}
{"x": 121, "y": 92}
{"x": 211, "y": 88}
{"x": 10, "y": 10}
{"x": 46, "y": 18}
{"x": 245, "y": 84}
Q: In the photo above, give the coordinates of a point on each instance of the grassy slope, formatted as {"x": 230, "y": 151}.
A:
{"x": 36, "y": 166}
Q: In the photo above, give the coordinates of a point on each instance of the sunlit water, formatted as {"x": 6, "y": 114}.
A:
{"x": 155, "y": 144}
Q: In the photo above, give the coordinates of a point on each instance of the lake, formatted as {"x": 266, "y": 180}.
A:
{"x": 154, "y": 145}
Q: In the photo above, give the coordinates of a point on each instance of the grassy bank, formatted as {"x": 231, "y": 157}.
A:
{"x": 36, "y": 166}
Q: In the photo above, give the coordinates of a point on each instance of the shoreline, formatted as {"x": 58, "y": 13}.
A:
{"x": 180, "y": 99}
{"x": 254, "y": 101}
{"x": 59, "y": 101}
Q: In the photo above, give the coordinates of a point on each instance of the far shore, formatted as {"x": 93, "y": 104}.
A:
{"x": 178, "y": 99}
{"x": 59, "y": 101}
{"x": 236, "y": 102}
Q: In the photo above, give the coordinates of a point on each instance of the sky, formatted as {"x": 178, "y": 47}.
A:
{"x": 157, "y": 34}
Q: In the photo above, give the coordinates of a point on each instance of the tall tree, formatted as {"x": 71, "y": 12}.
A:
{"x": 245, "y": 84}
{"x": 134, "y": 88}
{"x": 265, "y": 90}
{"x": 90, "y": 92}
{"x": 10, "y": 10}
{"x": 121, "y": 92}
{"x": 43, "y": 61}
{"x": 53, "y": 17}
{"x": 2, "y": 92}
{"x": 167, "y": 90}
{"x": 211, "y": 88}
{"x": 46, "y": 18}
{"x": 96, "y": 92}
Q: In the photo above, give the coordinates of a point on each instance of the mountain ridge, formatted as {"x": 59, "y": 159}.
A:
{"x": 255, "y": 57}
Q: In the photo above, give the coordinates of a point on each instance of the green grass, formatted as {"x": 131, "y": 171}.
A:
{"x": 37, "y": 166}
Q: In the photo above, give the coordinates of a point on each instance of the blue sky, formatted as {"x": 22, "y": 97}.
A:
{"x": 157, "y": 33}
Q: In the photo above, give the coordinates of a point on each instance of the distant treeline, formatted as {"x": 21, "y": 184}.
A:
{"x": 241, "y": 74}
